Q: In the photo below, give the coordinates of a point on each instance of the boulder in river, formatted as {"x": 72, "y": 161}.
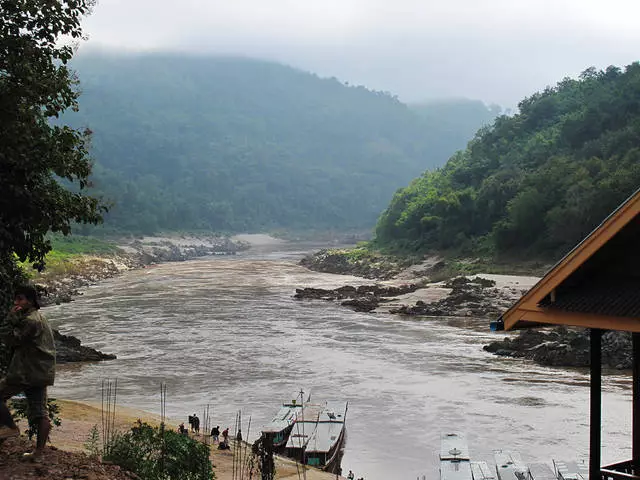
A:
{"x": 563, "y": 347}
{"x": 69, "y": 349}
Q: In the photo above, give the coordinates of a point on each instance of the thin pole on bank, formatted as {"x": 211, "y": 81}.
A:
{"x": 636, "y": 403}
{"x": 595, "y": 424}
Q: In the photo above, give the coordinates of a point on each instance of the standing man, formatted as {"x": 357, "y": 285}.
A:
{"x": 215, "y": 433}
{"x": 196, "y": 424}
{"x": 32, "y": 366}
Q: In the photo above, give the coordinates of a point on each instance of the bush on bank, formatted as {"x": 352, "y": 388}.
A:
{"x": 154, "y": 453}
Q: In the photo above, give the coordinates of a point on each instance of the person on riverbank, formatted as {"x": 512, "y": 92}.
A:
{"x": 182, "y": 429}
{"x": 350, "y": 476}
{"x": 215, "y": 433}
{"x": 196, "y": 424}
{"x": 225, "y": 435}
{"x": 191, "y": 422}
{"x": 32, "y": 366}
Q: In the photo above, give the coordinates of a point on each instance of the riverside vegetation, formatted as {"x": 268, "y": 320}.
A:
{"x": 524, "y": 191}
{"x": 231, "y": 144}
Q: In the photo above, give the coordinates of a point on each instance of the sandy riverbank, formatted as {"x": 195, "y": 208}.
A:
{"x": 79, "y": 418}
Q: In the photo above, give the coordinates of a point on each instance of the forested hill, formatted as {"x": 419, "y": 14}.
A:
{"x": 532, "y": 184}
{"x": 237, "y": 144}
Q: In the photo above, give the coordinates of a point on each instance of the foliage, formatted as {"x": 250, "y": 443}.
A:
{"x": 262, "y": 450}
{"x": 533, "y": 184}
{"x": 19, "y": 406}
{"x": 92, "y": 445}
{"x": 11, "y": 275}
{"x": 154, "y": 453}
{"x": 230, "y": 144}
{"x": 45, "y": 166}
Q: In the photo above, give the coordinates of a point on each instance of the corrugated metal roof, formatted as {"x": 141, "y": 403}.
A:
{"x": 300, "y": 434}
{"x": 282, "y": 419}
{"x": 325, "y": 436}
{"x": 453, "y": 446}
{"x": 318, "y": 426}
{"x": 621, "y": 300}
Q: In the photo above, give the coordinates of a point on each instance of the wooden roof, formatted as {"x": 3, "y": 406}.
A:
{"x": 596, "y": 285}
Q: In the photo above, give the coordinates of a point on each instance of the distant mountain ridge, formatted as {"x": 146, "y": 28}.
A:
{"x": 232, "y": 144}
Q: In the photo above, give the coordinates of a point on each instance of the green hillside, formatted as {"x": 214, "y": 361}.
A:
{"x": 236, "y": 144}
{"x": 532, "y": 184}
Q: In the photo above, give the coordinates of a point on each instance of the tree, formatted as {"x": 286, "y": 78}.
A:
{"x": 44, "y": 165}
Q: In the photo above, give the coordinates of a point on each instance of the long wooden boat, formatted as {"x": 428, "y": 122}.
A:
{"x": 279, "y": 428}
{"x": 325, "y": 447}
{"x": 456, "y": 464}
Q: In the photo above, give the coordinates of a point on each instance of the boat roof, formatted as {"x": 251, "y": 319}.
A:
{"x": 300, "y": 434}
{"x": 316, "y": 418}
{"x": 310, "y": 413}
{"x": 324, "y": 436}
{"x": 285, "y": 417}
{"x": 453, "y": 446}
{"x": 334, "y": 412}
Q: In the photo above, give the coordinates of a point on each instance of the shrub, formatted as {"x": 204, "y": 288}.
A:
{"x": 154, "y": 453}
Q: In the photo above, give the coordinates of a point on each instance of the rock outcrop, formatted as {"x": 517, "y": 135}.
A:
{"x": 364, "y": 298}
{"x": 69, "y": 349}
{"x": 468, "y": 298}
{"x": 565, "y": 347}
{"x": 345, "y": 262}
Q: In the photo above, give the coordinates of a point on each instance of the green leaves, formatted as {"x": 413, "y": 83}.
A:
{"x": 44, "y": 167}
{"x": 154, "y": 453}
{"x": 535, "y": 183}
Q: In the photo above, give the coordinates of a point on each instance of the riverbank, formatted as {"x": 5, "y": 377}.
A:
{"x": 433, "y": 287}
{"x": 64, "y": 277}
{"x": 70, "y": 270}
{"x": 66, "y": 457}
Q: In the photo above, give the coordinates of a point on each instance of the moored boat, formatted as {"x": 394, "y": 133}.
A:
{"x": 325, "y": 446}
{"x": 279, "y": 428}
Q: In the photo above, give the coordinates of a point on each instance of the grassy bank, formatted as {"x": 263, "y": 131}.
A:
{"x": 68, "y": 250}
{"x": 370, "y": 261}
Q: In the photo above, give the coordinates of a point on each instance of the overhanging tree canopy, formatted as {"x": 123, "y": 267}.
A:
{"x": 44, "y": 166}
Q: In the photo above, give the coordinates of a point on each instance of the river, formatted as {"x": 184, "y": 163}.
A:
{"x": 226, "y": 331}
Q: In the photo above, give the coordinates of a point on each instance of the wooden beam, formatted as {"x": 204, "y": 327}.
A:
{"x": 635, "y": 429}
{"x": 595, "y": 423}
{"x": 576, "y": 257}
{"x": 585, "y": 320}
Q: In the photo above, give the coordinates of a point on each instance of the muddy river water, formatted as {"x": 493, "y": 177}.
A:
{"x": 226, "y": 331}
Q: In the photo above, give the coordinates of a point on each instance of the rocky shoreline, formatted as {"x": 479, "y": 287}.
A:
{"x": 413, "y": 292}
{"x": 61, "y": 286}
{"x": 458, "y": 297}
{"x": 563, "y": 347}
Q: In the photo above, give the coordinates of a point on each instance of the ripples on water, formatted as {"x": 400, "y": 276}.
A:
{"x": 226, "y": 331}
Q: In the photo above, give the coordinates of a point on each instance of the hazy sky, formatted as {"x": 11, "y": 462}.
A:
{"x": 494, "y": 50}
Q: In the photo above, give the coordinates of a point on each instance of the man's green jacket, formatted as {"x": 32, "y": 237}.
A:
{"x": 33, "y": 363}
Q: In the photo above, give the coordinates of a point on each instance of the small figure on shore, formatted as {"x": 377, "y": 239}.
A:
{"x": 239, "y": 436}
{"x": 196, "y": 424}
{"x": 32, "y": 366}
{"x": 191, "y": 422}
{"x": 215, "y": 433}
{"x": 182, "y": 429}
{"x": 350, "y": 476}
{"x": 225, "y": 435}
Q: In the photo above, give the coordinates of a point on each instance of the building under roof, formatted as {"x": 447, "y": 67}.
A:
{"x": 596, "y": 286}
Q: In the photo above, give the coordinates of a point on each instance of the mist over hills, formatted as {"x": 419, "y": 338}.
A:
{"x": 232, "y": 144}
